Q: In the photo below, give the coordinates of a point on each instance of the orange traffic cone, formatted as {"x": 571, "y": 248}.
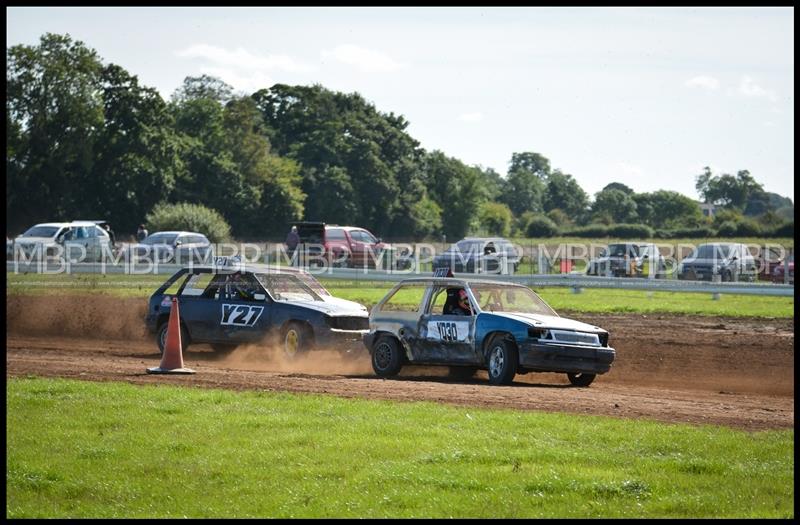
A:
{"x": 172, "y": 360}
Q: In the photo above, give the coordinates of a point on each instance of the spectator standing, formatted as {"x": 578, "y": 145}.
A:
{"x": 141, "y": 233}
{"x": 292, "y": 240}
{"x": 111, "y": 234}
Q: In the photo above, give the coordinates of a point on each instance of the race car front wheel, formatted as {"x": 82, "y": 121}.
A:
{"x": 296, "y": 340}
{"x": 581, "y": 379}
{"x": 386, "y": 358}
{"x": 503, "y": 361}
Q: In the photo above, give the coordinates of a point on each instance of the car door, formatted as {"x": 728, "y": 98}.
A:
{"x": 446, "y": 338}
{"x": 76, "y": 244}
{"x": 358, "y": 247}
{"x": 199, "y": 298}
{"x": 242, "y": 320}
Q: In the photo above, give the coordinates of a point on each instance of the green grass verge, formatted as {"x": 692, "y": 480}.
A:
{"x": 110, "y": 450}
{"x": 369, "y": 293}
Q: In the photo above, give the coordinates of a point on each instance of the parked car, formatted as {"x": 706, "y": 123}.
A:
{"x": 171, "y": 247}
{"x": 346, "y": 246}
{"x": 226, "y": 305}
{"x": 731, "y": 261}
{"x": 479, "y": 255}
{"x": 779, "y": 271}
{"x": 769, "y": 257}
{"x": 629, "y": 259}
{"x": 469, "y": 324}
{"x": 78, "y": 241}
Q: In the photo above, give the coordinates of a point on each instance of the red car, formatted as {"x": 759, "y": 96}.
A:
{"x": 778, "y": 276}
{"x": 345, "y": 246}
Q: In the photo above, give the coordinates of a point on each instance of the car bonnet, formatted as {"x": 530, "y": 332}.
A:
{"x": 549, "y": 321}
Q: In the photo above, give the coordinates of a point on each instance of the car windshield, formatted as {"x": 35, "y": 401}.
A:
{"x": 505, "y": 298}
{"x": 712, "y": 251}
{"x": 42, "y": 231}
{"x": 621, "y": 250}
{"x": 288, "y": 287}
{"x": 466, "y": 247}
{"x": 161, "y": 238}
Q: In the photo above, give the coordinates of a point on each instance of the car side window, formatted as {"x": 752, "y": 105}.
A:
{"x": 405, "y": 299}
{"x": 439, "y": 301}
{"x": 335, "y": 234}
{"x": 197, "y": 285}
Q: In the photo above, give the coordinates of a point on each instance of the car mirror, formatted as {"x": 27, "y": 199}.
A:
{"x": 178, "y": 243}
{"x": 260, "y": 297}
{"x": 734, "y": 258}
{"x": 379, "y": 240}
{"x": 646, "y": 256}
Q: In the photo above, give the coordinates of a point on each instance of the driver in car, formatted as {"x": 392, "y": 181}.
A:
{"x": 462, "y": 307}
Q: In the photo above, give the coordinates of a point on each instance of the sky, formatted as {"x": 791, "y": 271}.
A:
{"x": 642, "y": 96}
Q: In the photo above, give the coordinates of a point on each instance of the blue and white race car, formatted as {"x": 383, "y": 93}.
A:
{"x": 470, "y": 324}
{"x": 229, "y": 305}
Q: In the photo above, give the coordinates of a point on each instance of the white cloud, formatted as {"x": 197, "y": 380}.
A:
{"x": 749, "y": 88}
{"x": 471, "y": 117}
{"x": 247, "y": 82}
{"x": 703, "y": 81}
{"x": 365, "y": 60}
{"x": 242, "y": 59}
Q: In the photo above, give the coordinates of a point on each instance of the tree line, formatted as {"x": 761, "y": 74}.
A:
{"x": 87, "y": 140}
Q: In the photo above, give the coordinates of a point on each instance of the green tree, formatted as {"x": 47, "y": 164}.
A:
{"x": 53, "y": 112}
{"x": 563, "y": 192}
{"x": 184, "y": 216}
{"x": 667, "y": 209}
{"x": 495, "y": 218}
{"x": 726, "y": 190}
{"x": 531, "y": 162}
{"x": 137, "y": 153}
{"x": 204, "y": 86}
{"x": 618, "y": 186}
{"x": 457, "y": 189}
{"x": 614, "y": 206}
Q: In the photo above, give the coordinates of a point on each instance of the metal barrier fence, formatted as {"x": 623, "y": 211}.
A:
{"x": 570, "y": 280}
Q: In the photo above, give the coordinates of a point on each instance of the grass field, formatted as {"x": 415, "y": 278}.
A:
{"x": 82, "y": 449}
{"x": 369, "y": 293}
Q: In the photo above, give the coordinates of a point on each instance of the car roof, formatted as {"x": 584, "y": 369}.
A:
{"x": 486, "y": 239}
{"x": 175, "y": 233}
{"x": 250, "y": 267}
{"x": 455, "y": 281}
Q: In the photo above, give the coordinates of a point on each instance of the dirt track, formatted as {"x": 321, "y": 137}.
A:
{"x": 724, "y": 371}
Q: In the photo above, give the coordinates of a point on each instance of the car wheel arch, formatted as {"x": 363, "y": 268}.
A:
{"x": 164, "y": 319}
{"x": 378, "y": 334}
{"x": 491, "y": 336}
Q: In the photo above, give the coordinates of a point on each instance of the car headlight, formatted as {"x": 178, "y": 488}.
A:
{"x": 680, "y": 268}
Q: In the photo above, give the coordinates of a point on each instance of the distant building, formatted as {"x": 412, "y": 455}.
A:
{"x": 709, "y": 210}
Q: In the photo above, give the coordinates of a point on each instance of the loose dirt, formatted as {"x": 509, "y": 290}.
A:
{"x": 699, "y": 370}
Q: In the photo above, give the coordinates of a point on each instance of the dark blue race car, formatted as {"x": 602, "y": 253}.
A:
{"x": 470, "y": 324}
{"x": 226, "y": 306}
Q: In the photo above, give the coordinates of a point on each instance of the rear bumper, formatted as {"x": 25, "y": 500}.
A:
{"x": 543, "y": 357}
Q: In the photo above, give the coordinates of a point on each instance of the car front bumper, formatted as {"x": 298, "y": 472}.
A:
{"x": 343, "y": 340}
{"x": 547, "y": 357}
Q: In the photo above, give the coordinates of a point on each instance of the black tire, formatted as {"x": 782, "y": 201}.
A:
{"x": 223, "y": 348}
{"x": 502, "y": 361}
{"x": 386, "y": 357}
{"x": 462, "y": 372}
{"x": 581, "y": 379}
{"x": 161, "y": 338}
{"x": 296, "y": 339}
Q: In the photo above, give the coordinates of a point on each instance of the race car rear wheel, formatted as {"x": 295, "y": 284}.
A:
{"x": 296, "y": 339}
{"x": 581, "y": 379}
{"x": 162, "y": 337}
{"x": 386, "y": 358}
{"x": 502, "y": 360}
